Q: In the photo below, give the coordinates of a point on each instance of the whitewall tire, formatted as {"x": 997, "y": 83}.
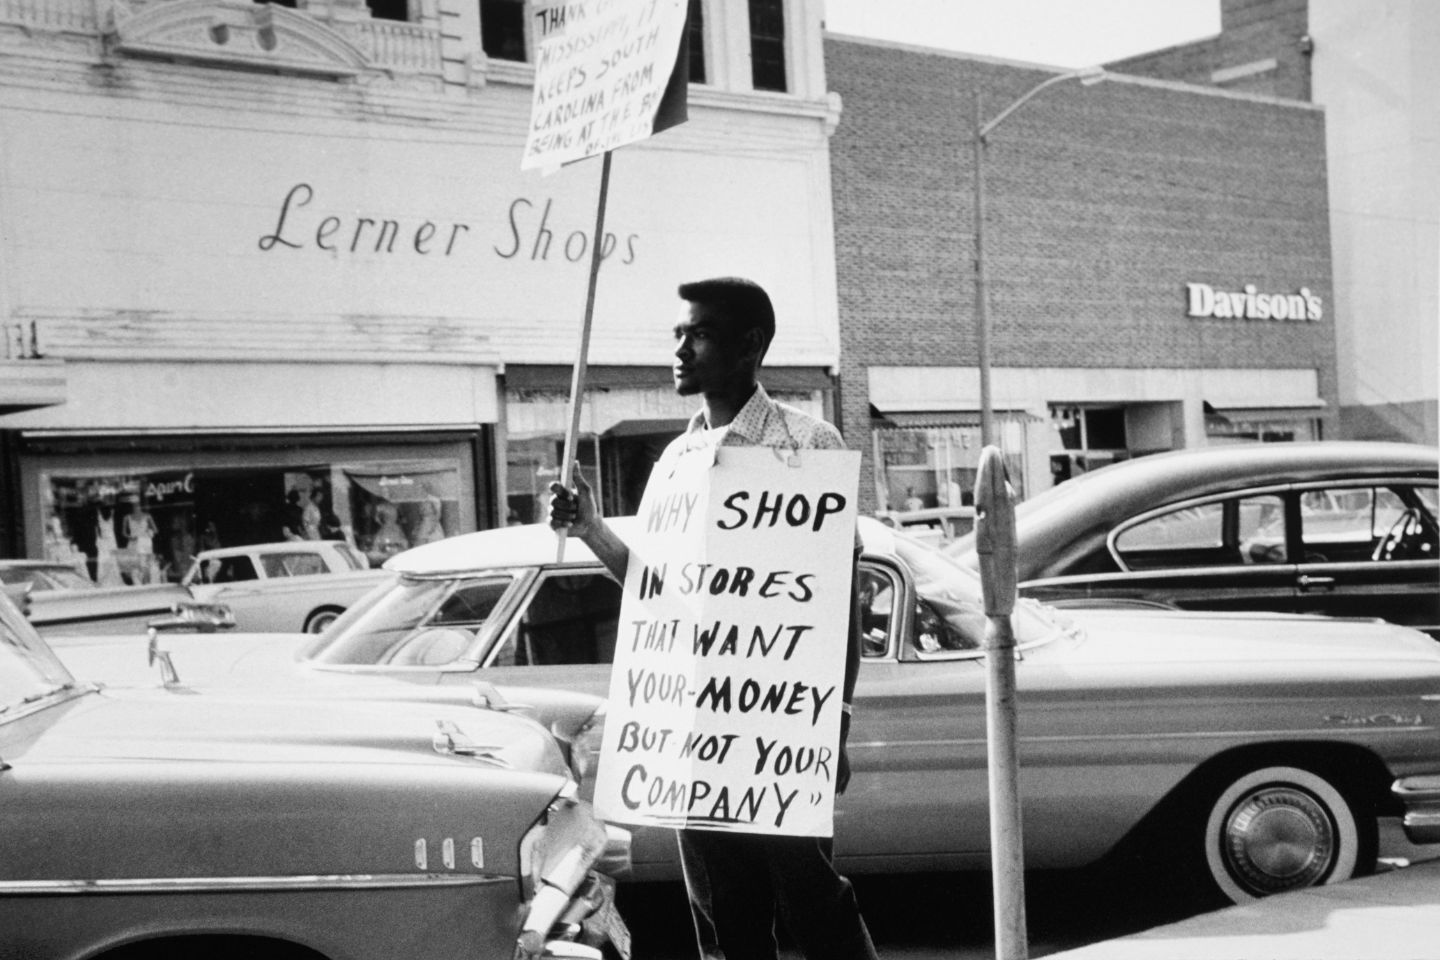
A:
{"x": 1280, "y": 828}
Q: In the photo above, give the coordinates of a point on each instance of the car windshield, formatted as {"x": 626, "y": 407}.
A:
{"x": 29, "y": 671}
{"x": 411, "y": 621}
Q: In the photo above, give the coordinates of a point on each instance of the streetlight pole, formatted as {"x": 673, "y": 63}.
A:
{"x": 982, "y": 130}
{"x": 995, "y": 546}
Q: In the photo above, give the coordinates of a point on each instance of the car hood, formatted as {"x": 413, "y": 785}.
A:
{"x": 1162, "y": 636}
{"x": 175, "y": 724}
{"x": 268, "y": 664}
{"x": 159, "y": 785}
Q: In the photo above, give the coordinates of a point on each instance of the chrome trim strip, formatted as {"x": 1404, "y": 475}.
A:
{"x": 357, "y": 881}
{"x": 1329, "y": 733}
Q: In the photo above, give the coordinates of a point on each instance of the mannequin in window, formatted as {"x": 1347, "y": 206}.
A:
{"x": 107, "y": 567}
{"x": 389, "y": 538}
{"x": 311, "y": 514}
{"x": 428, "y": 529}
{"x": 140, "y": 531}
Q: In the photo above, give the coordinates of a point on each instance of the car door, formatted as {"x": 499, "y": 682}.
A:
{"x": 1228, "y": 552}
{"x": 917, "y": 748}
{"x": 1370, "y": 550}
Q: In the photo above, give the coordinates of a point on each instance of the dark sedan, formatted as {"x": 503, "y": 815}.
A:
{"x": 1336, "y": 528}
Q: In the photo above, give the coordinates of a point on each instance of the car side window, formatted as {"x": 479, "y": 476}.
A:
{"x": 1239, "y": 530}
{"x": 943, "y": 625}
{"x": 569, "y": 618}
{"x": 1361, "y": 524}
{"x": 877, "y": 593}
{"x": 231, "y": 570}
{"x": 1405, "y": 527}
{"x": 291, "y": 564}
{"x": 1343, "y": 524}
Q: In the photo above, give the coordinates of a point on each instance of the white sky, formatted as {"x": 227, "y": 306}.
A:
{"x": 1061, "y": 33}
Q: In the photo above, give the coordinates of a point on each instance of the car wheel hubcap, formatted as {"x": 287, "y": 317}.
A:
{"x": 1279, "y": 839}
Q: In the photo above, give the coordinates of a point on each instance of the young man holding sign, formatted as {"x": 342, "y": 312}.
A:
{"x": 725, "y": 719}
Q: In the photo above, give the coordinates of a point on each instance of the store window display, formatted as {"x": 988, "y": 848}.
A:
{"x": 144, "y": 526}
{"x": 107, "y": 545}
{"x": 140, "y": 533}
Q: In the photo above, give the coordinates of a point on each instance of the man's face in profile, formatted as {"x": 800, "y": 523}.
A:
{"x": 713, "y": 354}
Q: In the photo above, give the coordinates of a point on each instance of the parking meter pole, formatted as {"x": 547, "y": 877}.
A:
{"x": 995, "y": 546}
{"x": 577, "y": 376}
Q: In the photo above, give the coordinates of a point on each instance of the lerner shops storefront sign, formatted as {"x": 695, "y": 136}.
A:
{"x": 529, "y": 232}
{"x": 1205, "y": 301}
{"x": 399, "y": 243}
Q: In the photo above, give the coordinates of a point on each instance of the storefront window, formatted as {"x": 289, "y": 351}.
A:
{"x": 146, "y": 526}
{"x": 1085, "y": 439}
{"x": 533, "y": 464}
{"x": 1223, "y": 428}
{"x": 922, "y": 468}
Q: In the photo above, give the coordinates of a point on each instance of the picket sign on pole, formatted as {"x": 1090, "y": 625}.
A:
{"x": 577, "y": 376}
{"x": 995, "y": 548}
{"x": 607, "y": 73}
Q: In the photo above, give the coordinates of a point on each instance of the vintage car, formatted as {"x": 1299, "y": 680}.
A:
{"x": 1336, "y": 528}
{"x": 291, "y": 586}
{"x": 41, "y": 575}
{"x": 1253, "y": 753}
{"x": 169, "y": 822}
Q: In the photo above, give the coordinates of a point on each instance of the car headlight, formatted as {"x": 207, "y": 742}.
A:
{"x": 556, "y": 858}
{"x": 562, "y": 846}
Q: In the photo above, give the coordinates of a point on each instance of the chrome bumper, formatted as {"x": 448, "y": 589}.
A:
{"x": 1420, "y": 796}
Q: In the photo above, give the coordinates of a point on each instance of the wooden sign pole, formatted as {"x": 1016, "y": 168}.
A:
{"x": 577, "y": 377}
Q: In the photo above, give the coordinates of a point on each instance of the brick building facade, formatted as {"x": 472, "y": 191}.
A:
{"x": 1111, "y": 210}
{"x": 1368, "y": 64}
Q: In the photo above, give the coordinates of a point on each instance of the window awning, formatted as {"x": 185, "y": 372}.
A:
{"x": 400, "y": 485}
{"x": 1302, "y": 411}
{"x": 883, "y": 419}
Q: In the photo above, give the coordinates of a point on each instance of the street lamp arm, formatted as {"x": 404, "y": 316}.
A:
{"x": 1086, "y": 75}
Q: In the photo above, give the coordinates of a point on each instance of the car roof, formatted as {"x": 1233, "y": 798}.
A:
{"x": 1106, "y": 496}
{"x": 534, "y": 545}
{"x": 283, "y": 546}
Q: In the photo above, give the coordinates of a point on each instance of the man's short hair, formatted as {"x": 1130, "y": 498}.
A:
{"x": 743, "y": 301}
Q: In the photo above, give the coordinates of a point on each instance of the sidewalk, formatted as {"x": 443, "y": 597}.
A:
{"x": 1389, "y": 916}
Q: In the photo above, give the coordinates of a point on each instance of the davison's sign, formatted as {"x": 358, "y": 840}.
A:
{"x": 725, "y": 695}
{"x": 1250, "y": 304}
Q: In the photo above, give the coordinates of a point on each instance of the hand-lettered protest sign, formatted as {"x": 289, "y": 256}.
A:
{"x": 726, "y": 690}
{"x": 602, "y": 69}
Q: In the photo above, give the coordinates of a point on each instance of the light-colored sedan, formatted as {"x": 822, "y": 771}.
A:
{"x": 178, "y": 822}
{"x": 1252, "y": 753}
{"x": 287, "y": 587}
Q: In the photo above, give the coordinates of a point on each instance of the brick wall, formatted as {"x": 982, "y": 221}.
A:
{"x": 1101, "y": 203}
{"x": 1253, "y": 32}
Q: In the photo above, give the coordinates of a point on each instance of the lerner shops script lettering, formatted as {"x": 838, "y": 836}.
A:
{"x": 725, "y": 692}
{"x": 531, "y": 229}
